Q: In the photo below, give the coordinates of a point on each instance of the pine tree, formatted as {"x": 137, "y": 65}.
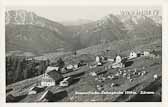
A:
{"x": 60, "y": 63}
{"x": 18, "y": 71}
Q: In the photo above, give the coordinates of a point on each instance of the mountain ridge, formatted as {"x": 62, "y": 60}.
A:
{"x": 73, "y": 37}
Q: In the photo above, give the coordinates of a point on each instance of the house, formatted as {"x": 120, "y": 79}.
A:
{"x": 75, "y": 66}
{"x": 118, "y": 65}
{"x": 93, "y": 74}
{"x": 35, "y": 90}
{"x": 118, "y": 59}
{"x": 155, "y": 76}
{"x": 119, "y": 62}
{"x": 69, "y": 67}
{"x": 110, "y": 60}
{"x": 51, "y": 78}
{"x": 50, "y": 68}
{"x": 97, "y": 59}
{"x": 132, "y": 55}
{"x": 66, "y": 82}
{"x": 146, "y": 53}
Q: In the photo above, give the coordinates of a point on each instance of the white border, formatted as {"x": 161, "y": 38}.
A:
{"x": 87, "y": 3}
{"x": 81, "y": 2}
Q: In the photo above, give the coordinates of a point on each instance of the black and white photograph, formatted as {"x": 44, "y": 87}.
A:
{"x": 83, "y": 54}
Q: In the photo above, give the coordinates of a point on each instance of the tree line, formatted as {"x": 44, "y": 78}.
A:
{"x": 20, "y": 68}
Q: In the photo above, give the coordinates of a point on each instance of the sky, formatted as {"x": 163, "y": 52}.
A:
{"x": 72, "y": 13}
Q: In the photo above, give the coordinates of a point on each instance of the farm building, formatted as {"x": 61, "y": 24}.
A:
{"x": 50, "y": 68}
{"x": 69, "y": 67}
{"x": 146, "y": 53}
{"x": 110, "y": 59}
{"x": 50, "y": 78}
{"x": 118, "y": 65}
{"x": 35, "y": 90}
{"x": 132, "y": 55}
{"x": 97, "y": 59}
{"x": 118, "y": 59}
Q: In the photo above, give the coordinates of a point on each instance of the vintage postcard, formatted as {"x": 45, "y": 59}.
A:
{"x": 83, "y": 53}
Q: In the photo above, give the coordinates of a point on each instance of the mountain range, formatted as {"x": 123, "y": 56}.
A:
{"x": 26, "y": 31}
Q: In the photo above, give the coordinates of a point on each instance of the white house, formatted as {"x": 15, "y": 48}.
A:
{"x": 132, "y": 55}
{"x": 110, "y": 59}
{"x": 47, "y": 81}
{"x": 118, "y": 59}
{"x": 97, "y": 59}
{"x": 75, "y": 66}
{"x": 50, "y": 68}
{"x": 155, "y": 76}
{"x": 69, "y": 67}
{"x": 146, "y": 53}
{"x": 118, "y": 65}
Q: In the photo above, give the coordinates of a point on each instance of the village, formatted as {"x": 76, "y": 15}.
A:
{"x": 107, "y": 74}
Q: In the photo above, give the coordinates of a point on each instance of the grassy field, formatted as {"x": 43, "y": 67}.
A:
{"x": 87, "y": 83}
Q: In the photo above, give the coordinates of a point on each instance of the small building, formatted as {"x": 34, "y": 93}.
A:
{"x": 93, "y": 74}
{"x": 118, "y": 59}
{"x": 35, "y": 90}
{"x": 76, "y": 66}
{"x": 118, "y": 65}
{"x": 51, "y": 78}
{"x": 146, "y": 53}
{"x": 110, "y": 59}
{"x": 50, "y": 68}
{"x": 66, "y": 82}
{"x": 69, "y": 67}
{"x": 97, "y": 59}
{"x": 132, "y": 55}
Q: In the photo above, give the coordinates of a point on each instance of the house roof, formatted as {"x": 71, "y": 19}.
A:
{"x": 55, "y": 75}
{"x": 37, "y": 89}
{"x": 51, "y": 68}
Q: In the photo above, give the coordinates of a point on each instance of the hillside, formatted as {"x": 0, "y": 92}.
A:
{"x": 32, "y": 39}
{"x": 151, "y": 64}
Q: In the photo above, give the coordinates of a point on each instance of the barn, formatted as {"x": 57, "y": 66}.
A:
{"x": 51, "y": 78}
